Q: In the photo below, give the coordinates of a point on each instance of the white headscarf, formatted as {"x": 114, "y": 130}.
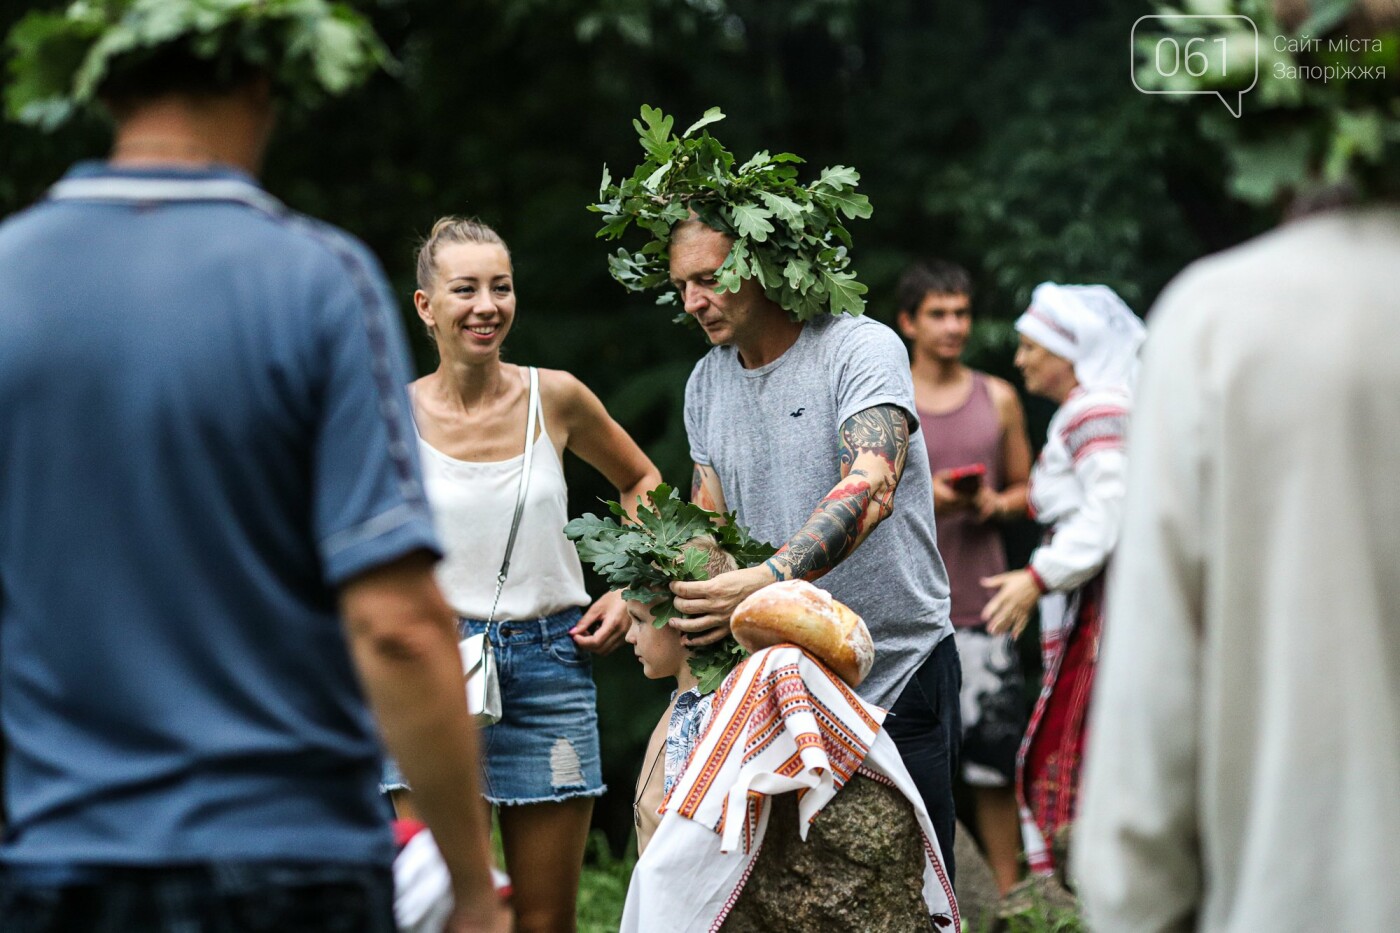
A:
{"x": 1090, "y": 326}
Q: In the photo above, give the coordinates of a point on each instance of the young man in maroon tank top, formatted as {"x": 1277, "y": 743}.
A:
{"x": 980, "y": 456}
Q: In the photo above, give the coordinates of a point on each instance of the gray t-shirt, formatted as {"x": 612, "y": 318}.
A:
{"x": 772, "y": 436}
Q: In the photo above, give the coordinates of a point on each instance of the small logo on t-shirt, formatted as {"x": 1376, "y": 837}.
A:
{"x": 798, "y": 413}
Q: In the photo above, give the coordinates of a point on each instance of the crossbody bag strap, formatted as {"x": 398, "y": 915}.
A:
{"x": 530, "y": 421}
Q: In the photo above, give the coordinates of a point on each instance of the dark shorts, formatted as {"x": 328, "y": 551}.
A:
{"x": 224, "y": 897}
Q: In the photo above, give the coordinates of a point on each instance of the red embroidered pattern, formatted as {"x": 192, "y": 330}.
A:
{"x": 760, "y": 719}
{"x": 728, "y": 738}
{"x": 734, "y": 895}
{"x": 1099, "y": 428}
{"x": 1051, "y": 323}
{"x": 1048, "y": 762}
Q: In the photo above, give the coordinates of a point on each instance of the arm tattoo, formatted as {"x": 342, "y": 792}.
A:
{"x": 882, "y": 431}
{"x": 858, "y": 503}
{"x": 832, "y": 532}
{"x": 704, "y": 489}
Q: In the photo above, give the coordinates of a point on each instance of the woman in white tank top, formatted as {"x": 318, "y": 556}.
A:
{"x": 542, "y": 762}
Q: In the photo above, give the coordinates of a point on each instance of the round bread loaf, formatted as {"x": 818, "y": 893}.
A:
{"x": 796, "y": 612}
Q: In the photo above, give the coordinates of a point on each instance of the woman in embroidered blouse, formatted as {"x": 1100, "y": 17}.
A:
{"x": 1078, "y": 347}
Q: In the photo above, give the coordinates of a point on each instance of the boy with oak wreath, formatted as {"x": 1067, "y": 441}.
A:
{"x": 662, "y": 655}
{"x": 672, "y": 540}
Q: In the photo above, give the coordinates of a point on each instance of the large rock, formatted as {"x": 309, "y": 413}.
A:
{"x": 861, "y": 868}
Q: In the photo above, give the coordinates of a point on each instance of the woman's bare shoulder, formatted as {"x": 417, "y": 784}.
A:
{"x": 564, "y": 392}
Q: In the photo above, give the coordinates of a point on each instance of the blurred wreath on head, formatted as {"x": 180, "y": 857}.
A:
{"x": 788, "y": 237}
{"x": 62, "y": 61}
{"x": 642, "y": 556}
{"x": 1322, "y": 124}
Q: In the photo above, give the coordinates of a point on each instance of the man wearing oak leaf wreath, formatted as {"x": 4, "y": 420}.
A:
{"x": 799, "y": 420}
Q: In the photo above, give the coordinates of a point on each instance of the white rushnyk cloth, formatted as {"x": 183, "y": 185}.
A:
{"x": 715, "y": 817}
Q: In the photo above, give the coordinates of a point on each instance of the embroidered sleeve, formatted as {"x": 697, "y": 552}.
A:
{"x": 1084, "y": 539}
{"x": 1096, "y": 429}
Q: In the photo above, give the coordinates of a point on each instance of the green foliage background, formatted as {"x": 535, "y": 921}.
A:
{"x": 1005, "y": 135}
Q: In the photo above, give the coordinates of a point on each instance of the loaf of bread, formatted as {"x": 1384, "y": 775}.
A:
{"x": 796, "y": 612}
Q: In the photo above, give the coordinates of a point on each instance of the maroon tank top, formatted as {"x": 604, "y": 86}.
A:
{"x": 970, "y": 549}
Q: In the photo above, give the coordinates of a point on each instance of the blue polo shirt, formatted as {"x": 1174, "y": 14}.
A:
{"x": 203, "y": 433}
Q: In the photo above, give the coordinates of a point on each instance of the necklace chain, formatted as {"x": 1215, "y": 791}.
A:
{"x": 637, "y": 801}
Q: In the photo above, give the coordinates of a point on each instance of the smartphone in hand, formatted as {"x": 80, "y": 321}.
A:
{"x": 966, "y": 480}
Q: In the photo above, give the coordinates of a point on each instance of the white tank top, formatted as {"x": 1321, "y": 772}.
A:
{"x": 473, "y": 504}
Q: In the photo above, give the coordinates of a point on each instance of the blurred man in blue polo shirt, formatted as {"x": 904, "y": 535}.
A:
{"x": 213, "y": 541}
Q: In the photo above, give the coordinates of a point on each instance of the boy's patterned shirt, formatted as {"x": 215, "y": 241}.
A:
{"x": 688, "y": 720}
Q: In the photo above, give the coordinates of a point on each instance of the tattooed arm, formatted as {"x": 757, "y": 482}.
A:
{"x": 705, "y": 490}
{"x": 874, "y": 444}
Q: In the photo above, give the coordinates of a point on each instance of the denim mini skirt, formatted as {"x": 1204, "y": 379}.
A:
{"x": 545, "y": 747}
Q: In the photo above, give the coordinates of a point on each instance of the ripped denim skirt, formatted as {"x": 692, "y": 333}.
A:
{"x": 545, "y": 747}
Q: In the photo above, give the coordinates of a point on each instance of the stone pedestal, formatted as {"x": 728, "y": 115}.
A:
{"x": 861, "y": 868}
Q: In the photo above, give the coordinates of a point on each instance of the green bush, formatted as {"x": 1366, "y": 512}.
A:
{"x": 603, "y": 887}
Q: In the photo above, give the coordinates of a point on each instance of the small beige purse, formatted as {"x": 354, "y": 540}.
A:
{"x": 478, "y": 657}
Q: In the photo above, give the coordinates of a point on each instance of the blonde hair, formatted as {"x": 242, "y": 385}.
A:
{"x": 717, "y": 559}
{"x": 452, "y": 230}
